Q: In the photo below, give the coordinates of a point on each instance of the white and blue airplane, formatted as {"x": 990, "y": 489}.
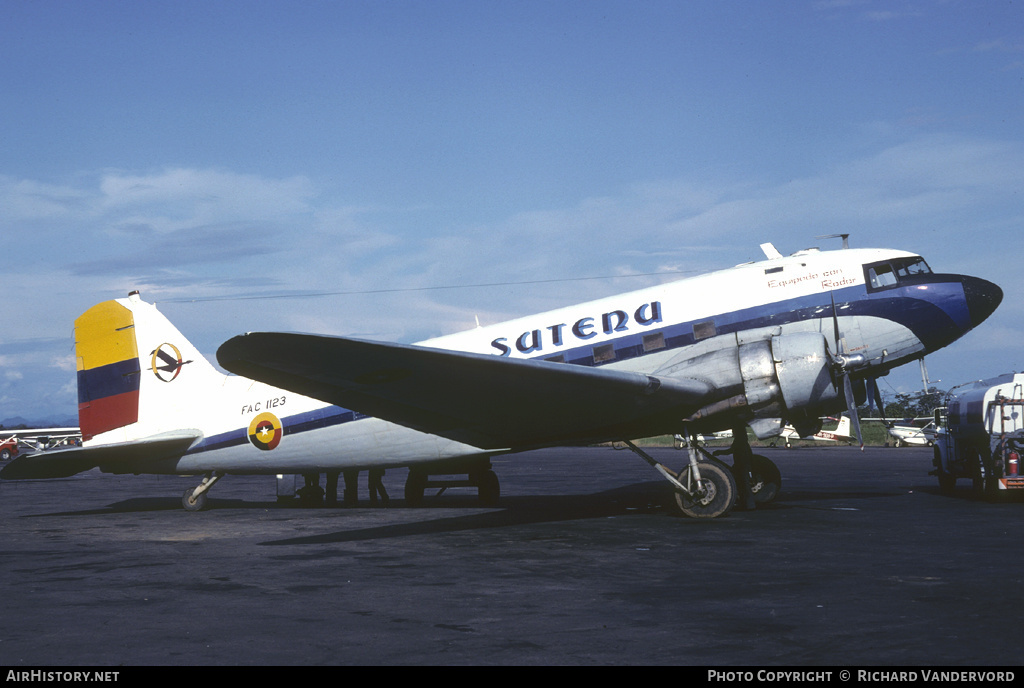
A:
{"x": 760, "y": 345}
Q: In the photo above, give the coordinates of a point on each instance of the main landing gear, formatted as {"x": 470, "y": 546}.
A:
{"x": 704, "y": 489}
{"x": 708, "y": 488}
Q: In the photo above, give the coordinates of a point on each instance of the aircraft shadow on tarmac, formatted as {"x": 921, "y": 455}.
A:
{"x": 647, "y": 498}
{"x": 639, "y": 499}
{"x": 513, "y": 511}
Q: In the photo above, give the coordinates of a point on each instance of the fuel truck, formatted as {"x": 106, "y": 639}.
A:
{"x": 980, "y": 436}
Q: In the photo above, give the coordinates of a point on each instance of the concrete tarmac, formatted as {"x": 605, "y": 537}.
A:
{"x": 859, "y": 562}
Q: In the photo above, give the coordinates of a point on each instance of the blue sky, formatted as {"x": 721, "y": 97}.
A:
{"x": 201, "y": 152}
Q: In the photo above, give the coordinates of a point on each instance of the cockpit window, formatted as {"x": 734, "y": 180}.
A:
{"x": 881, "y": 276}
{"x": 891, "y": 273}
{"x": 909, "y": 267}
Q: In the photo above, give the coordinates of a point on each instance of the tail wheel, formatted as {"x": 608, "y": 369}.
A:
{"x": 715, "y": 495}
{"x": 193, "y": 503}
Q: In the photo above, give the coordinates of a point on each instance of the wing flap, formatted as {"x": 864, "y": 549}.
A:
{"x": 485, "y": 401}
{"x": 123, "y": 457}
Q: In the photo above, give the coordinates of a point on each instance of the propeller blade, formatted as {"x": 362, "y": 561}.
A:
{"x": 851, "y": 407}
{"x": 835, "y": 324}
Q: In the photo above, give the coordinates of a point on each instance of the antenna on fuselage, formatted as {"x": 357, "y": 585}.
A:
{"x": 844, "y": 237}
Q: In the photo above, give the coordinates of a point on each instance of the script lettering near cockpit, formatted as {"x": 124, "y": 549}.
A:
{"x": 830, "y": 279}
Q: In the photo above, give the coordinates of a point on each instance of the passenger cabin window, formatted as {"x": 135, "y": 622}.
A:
{"x": 704, "y": 330}
{"x": 604, "y": 353}
{"x": 892, "y": 273}
{"x": 653, "y": 342}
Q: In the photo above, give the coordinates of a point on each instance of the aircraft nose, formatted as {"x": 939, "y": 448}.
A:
{"x": 983, "y": 298}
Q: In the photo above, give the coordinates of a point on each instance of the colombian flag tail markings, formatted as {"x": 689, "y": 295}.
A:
{"x": 108, "y": 369}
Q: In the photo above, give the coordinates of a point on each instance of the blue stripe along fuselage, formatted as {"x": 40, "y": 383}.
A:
{"x": 934, "y": 310}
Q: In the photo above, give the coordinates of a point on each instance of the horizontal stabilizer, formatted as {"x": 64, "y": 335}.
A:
{"x": 123, "y": 457}
{"x": 482, "y": 400}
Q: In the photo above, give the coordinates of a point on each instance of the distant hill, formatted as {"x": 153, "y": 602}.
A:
{"x": 55, "y": 422}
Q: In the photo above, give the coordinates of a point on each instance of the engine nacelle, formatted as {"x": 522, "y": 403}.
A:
{"x": 802, "y": 365}
{"x": 765, "y": 380}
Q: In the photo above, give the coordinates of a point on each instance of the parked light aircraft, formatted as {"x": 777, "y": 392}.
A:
{"x": 919, "y": 432}
{"x": 787, "y": 339}
{"x": 843, "y": 432}
{"x": 36, "y": 439}
{"x": 680, "y": 441}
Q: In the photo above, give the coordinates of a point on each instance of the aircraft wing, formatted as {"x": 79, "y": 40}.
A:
{"x": 482, "y": 400}
{"x": 123, "y": 457}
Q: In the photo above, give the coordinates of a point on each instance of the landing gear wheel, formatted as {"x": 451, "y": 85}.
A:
{"x": 716, "y": 496}
{"x": 190, "y": 504}
{"x": 415, "y": 484}
{"x": 488, "y": 487}
{"x": 765, "y": 479}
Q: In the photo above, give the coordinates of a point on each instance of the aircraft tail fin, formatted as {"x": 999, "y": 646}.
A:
{"x": 137, "y": 375}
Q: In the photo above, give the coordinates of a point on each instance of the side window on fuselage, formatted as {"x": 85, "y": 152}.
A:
{"x": 881, "y": 276}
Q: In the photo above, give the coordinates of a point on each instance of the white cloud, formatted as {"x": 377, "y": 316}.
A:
{"x": 199, "y": 195}
{"x": 186, "y": 234}
{"x": 30, "y": 200}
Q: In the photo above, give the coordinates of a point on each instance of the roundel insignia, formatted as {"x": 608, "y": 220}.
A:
{"x": 265, "y": 431}
{"x": 166, "y": 362}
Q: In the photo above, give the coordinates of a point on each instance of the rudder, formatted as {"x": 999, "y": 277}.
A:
{"x": 108, "y": 369}
{"x": 137, "y": 374}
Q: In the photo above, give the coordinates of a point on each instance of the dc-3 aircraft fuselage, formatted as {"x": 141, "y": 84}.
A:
{"x": 788, "y": 339}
